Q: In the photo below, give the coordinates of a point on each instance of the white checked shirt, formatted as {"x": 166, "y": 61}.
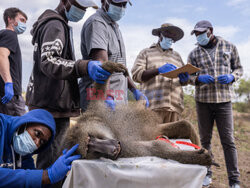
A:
{"x": 226, "y": 61}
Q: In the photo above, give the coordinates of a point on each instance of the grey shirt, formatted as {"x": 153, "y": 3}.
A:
{"x": 100, "y": 32}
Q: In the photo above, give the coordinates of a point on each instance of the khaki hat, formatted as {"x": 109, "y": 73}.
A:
{"x": 174, "y": 32}
{"x": 87, "y": 3}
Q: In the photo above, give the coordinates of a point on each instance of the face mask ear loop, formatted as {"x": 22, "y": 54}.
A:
{"x": 64, "y": 6}
{"x": 210, "y": 32}
{"x": 104, "y": 7}
{"x": 13, "y": 153}
{"x": 161, "y": 37}
{"x": 13, "y": 157}
{"x": 25, "y": 128}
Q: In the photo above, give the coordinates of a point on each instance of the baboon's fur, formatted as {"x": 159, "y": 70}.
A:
{"x": 101, "y": 132}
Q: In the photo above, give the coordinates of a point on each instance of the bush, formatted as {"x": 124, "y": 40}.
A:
{"x": 241, "y": 107}
{"x": 189, "y": 101}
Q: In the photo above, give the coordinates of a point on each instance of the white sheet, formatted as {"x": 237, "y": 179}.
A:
{"x": 141, "y": 172}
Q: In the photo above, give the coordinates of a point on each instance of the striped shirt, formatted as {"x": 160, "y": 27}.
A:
{"x": 226, "y": 61}
{"x": 162, "y": 92}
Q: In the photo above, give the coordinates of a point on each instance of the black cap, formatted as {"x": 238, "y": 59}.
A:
{"x": 202, "y": 26}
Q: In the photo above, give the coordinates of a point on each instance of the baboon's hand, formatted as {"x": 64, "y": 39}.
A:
{"x": 204, "y": 157}
{"x": 213, "y": 161}
{"x": 115, "y": 67}
{"x": 202, "y": 150}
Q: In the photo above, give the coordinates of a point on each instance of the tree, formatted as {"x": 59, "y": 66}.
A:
{"x": 243, "y": 89}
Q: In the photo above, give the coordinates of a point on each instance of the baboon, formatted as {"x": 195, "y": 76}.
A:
{"x": 129, "y": 131}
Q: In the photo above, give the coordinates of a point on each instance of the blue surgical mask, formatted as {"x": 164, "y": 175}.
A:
{"x": 203, "y": 39}
{"x": 115, "y": 12}
{"x": 20, "y": 28}
{"x": 166, "y": 43}
{"x": 74, "y": 14}
{"x": 23, "y": 143}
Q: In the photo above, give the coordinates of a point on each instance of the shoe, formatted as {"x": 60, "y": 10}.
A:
{"x": 207, "y": 181}
{"x": 236, "y": 185}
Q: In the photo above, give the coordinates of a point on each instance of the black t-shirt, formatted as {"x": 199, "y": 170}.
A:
{"x": 8, "y": 39}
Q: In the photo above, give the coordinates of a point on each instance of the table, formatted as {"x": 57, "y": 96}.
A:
{"x": 139, "y": 172}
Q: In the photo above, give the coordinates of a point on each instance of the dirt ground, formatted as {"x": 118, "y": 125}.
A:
{"x": 242, "y": 135}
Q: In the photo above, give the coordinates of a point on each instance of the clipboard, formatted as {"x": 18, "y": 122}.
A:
{"x": 190, "y": 69}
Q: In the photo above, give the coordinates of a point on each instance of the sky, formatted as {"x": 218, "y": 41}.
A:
{"x": 230, "y": 19}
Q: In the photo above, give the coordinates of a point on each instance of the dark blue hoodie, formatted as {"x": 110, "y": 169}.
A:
{"x": 8, "y": 126}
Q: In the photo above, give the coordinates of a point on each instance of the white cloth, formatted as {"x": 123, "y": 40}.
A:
{"x": 183, "y": 146}
{"x": 140, "y": 172}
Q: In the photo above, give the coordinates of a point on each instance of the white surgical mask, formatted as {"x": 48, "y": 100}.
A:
{"x": 20, "y": 28}
{"x": 23, "y": 143}
{"x": 203, "y": 39}
{"x": 116, "y": 12}
{"x": 166, "y": 43}
{"x": 74, "y": 14}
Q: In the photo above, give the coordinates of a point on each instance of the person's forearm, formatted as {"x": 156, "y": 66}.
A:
{"x": 131, "y": 84}
{"x": 45, "y": 178}
{"x": 148, "y": 74}
{"x": 99, "y": 55}
{"x": 5, "y": 68}
{"x": 20, "y": 178}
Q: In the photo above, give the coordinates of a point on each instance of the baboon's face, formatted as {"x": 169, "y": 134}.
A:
{"x": 109, "y": 147}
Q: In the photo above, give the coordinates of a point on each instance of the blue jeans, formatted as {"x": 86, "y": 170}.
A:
{"x": 221, "y": 113}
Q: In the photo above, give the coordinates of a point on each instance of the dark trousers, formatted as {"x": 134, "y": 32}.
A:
{"x": 16, "y": 107}
{"x": 221, "y": 113}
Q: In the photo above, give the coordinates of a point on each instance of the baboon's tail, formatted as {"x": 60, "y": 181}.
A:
{"x": 112, "y": 68}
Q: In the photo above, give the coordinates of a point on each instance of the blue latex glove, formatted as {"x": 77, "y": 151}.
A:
{"x": 110, "y": 103}
{"x": 138, "y": 95}
{"x": 96, "y": 72}
{"x": 225, "y": 79}
{"x": 184, "y": 77}
{"x": 62, "y": 165}
{"x": 8, "y": 91}
{"x": 206, "y": 79}
{"x": 166, "y": 68}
